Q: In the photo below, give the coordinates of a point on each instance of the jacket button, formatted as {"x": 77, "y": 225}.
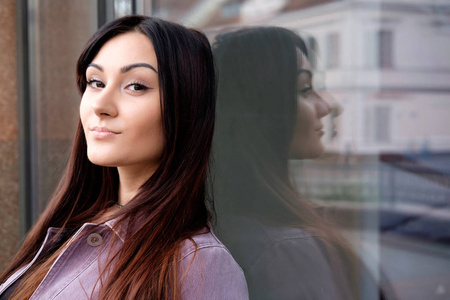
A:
{"x": 94, "y": 239}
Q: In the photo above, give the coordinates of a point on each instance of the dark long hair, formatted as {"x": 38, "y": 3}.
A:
{"x": 171, "y": 205}
{"x": 256, "y": 117}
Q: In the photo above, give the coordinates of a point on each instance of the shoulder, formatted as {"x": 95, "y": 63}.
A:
{"x": 283, "y": 262}
{"x": 299, "y": 248}
{"x": 204, "y": 240}
{"x": 251, "y": 241}
{"x": 276, "y": 243}
{"x": 208, "y": 270}
{"x": 264, "y": 235}
{"x": 206, "y": 249}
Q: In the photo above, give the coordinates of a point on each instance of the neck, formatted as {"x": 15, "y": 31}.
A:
{"x": 131, "y": 179}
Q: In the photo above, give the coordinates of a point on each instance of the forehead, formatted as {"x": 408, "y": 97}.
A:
{"x": 303, "y": 61}
{"x": 125, "y": 49}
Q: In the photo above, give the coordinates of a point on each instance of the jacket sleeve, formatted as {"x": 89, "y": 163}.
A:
{"x": 294, "y": 269}
{"x": 211, "y": 273}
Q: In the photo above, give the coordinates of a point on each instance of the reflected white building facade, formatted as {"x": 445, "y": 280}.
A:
{"x": 387, "y": 63}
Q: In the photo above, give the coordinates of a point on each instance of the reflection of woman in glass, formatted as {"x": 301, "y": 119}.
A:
{"x": 269, "y": 112}
{"x": 129, "y": 217}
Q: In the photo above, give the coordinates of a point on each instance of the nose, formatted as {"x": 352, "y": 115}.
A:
{"x": 104, "y": 103}
{"x": 323, "y": 108}
{"x": 336, "y": 109}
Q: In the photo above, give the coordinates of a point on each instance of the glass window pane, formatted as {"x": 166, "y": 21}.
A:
{"x": 382, "y": 68}
{"x": 57, "y": 32}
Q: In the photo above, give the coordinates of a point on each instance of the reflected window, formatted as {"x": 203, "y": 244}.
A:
{"x": 332, "y": 50}
{"x": 385, "y": 45}
{"x": 382, "y": 124}
{"x": 379, "y": 49}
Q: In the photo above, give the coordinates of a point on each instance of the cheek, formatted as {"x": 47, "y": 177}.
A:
{"x": 306, "y": 142}
{"x": 304, "y": 121}
{"x": 83, "y": 110}
{"x": 149, "y": 129}
{"x": 306, "y": 112}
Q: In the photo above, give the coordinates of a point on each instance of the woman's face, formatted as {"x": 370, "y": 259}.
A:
{"x": 311, "y": 108}
{"x": 120, "y": 109}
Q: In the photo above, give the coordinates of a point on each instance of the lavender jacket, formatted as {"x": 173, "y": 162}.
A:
{"x": 213, "y": 273}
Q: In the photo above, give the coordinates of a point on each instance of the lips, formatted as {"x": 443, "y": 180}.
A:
{"x": 102, "y": 132}
{"x": 320, "y": 131}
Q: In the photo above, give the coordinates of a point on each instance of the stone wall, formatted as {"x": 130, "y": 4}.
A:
{"x": 59, "y": 30}
{"x": 9, "y": 166}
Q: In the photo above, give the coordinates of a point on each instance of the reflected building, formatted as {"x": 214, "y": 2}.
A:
{"x": 387, "y": 64}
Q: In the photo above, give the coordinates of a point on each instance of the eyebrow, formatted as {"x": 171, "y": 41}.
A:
{"x": 126, "y": 68}
{"x": 305, "y": 71}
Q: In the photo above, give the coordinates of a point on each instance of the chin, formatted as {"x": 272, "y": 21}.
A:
{"x": 317, "y": 152}
{"x": 101, "y": 161}
{"x": 308, "y": 153}
{"x": 316, "y": 155}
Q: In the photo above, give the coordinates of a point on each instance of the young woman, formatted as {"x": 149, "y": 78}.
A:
{"x": 129, "y": 219}
{"x": 267, "y": 113}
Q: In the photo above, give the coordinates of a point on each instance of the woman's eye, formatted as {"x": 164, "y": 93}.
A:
{"x": 137, "y": 87}
{"x": 305, "y": 90}
{"x": 96, "y": 84}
